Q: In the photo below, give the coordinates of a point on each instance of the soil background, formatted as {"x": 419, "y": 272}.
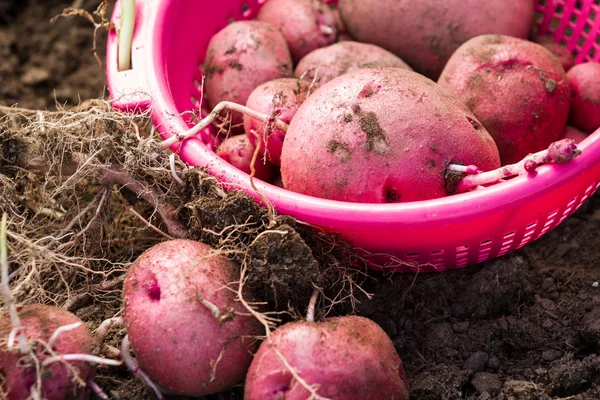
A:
{"x": 524, "y": 326}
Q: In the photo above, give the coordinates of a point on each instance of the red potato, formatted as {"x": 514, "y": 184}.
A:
{"x": 381, "y": 136}
{"x": 516, "y": 88}
{"x": 425, "y": 33}
{"x": 57, "y": 379}
{"x": 305, "y": 24}
{"x": 560, "y": 51}
{"x": 172, "y": 294}
{"x": 349, "y": 358}
{"x": 343, "y": 57}
{"x": 238, "y": 151}
{"x": 573, "y": 133}
{"x": 584, "y": 81}
{"x": 280, "y": 98}
{"x": 240, "y": 57}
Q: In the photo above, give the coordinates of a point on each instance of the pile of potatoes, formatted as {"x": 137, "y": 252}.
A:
{"x": 382, "y": 97}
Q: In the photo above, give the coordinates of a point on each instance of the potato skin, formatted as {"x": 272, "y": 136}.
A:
{"x": 560, "y": 51}
{"x": 517, "y": 89}
{"x": 381, "y": 135}
{"x": 285, "y": 95}
{"x": 425, "y": 33}
{"x": 174, "y": 335}
{"x": 40, "y": 322}
{"x": 584, "y": 81}
{"x": 348, "y": 357}
{"x": 573, "y": 133}
{"x": 240, "y": 57}
{"x": 238, "y": 151}
{"x": 305, "y": 24}
{"x": 343, "y": 57}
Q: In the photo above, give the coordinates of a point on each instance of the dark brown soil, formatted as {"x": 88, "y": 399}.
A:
{"x": 525, "y": 326}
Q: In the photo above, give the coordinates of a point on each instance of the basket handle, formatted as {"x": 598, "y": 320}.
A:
{"x": 128, "y": 88}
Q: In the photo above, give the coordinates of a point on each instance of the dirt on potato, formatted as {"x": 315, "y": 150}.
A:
{"x": 524, "y": 326}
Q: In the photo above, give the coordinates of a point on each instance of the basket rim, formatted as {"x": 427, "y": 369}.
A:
{"x": 324, "y": 212}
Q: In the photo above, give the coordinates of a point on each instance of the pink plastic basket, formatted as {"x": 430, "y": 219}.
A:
{"x": 170, "y": 41}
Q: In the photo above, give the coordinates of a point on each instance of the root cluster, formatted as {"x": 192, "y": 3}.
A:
{"x": 83, "y": 187}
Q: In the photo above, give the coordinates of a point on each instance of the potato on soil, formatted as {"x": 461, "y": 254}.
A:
{"x": 240, "y": 57}
{"x": 57, "y": 379}
{"x": 281, "y": 99}
{"x": 305, "y": 24}
{"x": 381, "y": 136}
{"x": 425, "y": 33}
{"x": 516, "y": 88}
{"x": 343, "y": 57}
{"x": 560, "y": 51}
{"x": 238, "y": 151}
{"x": 349, "y": 358}
{"x": 584, "y": 81}
{"x": 172, "y": 294}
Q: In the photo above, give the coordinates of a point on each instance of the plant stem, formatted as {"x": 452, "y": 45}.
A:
{"x": 216, "y": 111}
{"x": 12, "y": 310}
{"x": 126, "y": 34}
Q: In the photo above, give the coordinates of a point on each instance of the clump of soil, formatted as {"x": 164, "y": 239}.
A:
{"x": 282, "y": 268}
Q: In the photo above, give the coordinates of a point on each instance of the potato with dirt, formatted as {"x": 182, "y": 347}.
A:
{"x": 584, "y": 81}
{"x": 279, "y": 98}
{"x": 239, "y": 151}
{"x": 517, "y": 89}
{"x": 57, "y": 380}
{"x": 240, "y": 57}
{"x": 322, "y": 65}
{"x": 348, "y": 358}
{"x": 306, "y": 24}
{"x": 381, "y": 135}
{"x": 425, "y": 33}
{"x": 190, "y": 335}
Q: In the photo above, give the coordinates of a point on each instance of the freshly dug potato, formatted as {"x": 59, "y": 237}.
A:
{"x": 280, "y": 98}
{"x": 343, "y": 57}
{"x": 573, "y": 133}
{"x": 584, "y": 80}
{"x": 57, "y": 379}
{"x": 516, "y": 88}
{"x": 190, "y": 335}
{"x": 240, "y": 57}
{"x": 381, "y": 136}
{"x": 560, "y": 51}
{"x": 238, "y": 151}
{"x": 305, "y": 24}
{"x": 349, "y": 358}
{"x": 425, "y": 33}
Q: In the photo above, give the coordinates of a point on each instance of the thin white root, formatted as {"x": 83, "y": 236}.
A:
{"x": 312, "y": 304}
{"x": 61, "y": 329}
{"x": 135, "y": 368}
{"x": 102, "y": 330}
{"x": 219, "y": 316}
{"x": 467, "y": 169}
{"x": 81, "y": 357}
{"x": 126, "y": 34}
{"x": 174, "y": 171}
{"x": 214, "y": 113}
{"x": 98, "y": 390}
{"x": 5, "y": 287}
